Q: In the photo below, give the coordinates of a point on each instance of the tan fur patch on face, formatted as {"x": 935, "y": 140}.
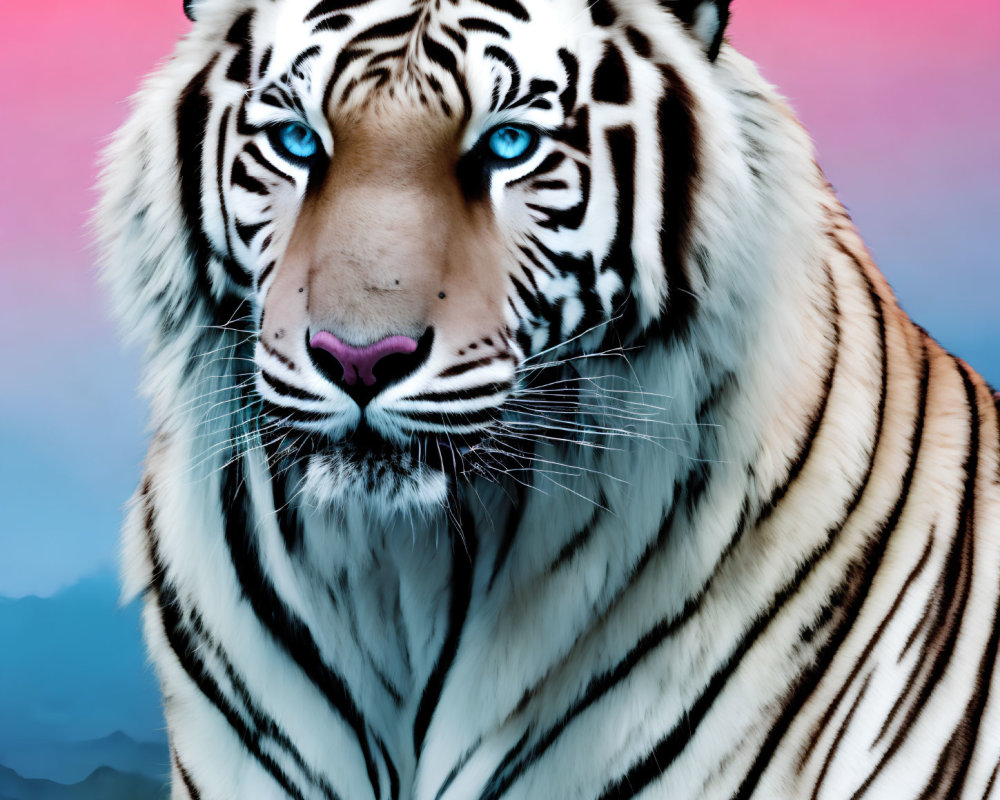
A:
{"x": 388, "y": 244}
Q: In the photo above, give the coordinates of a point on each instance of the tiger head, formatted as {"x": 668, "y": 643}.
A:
{"x": 404, "y": 213}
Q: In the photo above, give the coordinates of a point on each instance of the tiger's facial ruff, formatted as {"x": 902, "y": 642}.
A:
{"x": 393, "y": 216}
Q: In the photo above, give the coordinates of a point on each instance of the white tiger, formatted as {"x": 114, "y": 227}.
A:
{"x": 531, "y": 422}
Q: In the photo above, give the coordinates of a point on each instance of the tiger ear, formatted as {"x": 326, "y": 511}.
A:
{"x": 189, "y": 9}
{"x": 706, "y": 19}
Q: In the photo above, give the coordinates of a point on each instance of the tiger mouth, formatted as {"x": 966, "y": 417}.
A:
{"x": 369, "y": 452}
{"x": 447, "y": 453}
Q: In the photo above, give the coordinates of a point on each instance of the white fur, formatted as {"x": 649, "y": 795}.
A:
{"x": 372, "y": 581}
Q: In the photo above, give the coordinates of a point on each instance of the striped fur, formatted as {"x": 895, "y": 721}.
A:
{"x": 677, "y": 503}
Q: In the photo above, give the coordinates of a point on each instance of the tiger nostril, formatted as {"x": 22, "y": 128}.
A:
{"x": 364, "y": 371}
{"x": 359, "y": 362}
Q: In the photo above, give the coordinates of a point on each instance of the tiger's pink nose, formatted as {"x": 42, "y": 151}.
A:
{"x": 358, "y": 362}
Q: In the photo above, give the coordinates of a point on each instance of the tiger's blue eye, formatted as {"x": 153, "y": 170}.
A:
{"x": 298, "y": 141}
{"x": 510, "y": 142}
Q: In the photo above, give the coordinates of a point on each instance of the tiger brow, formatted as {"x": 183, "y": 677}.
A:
{"x": 534, "y": 97}
{"x": 280, "y": 95}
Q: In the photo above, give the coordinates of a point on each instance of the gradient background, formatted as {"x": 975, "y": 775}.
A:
{"x": 902, "y": 99}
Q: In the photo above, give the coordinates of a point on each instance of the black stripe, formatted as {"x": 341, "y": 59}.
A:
{"x": 291, "y": 391}
{"x": 186, "y": 649}
{"x": 816, "y": 420}
{"x": 189, "y": 786}
{"x": 662, "y": 755}
{"x": 991, "y": 781}
{"x": 571, "y": 218}
{"x": 264, "y": 723}
{"x": 863, "y": 582}
{"x": 679, "y": 142}
{"x": 658, "y": 760}
{"x": 305, "y": 55}
{"x": 443, "y": 57}
{"x": 505, "y": 58}
{"x": 953, "y": 766}
{"x": 514, "y": 764}
{"x": 239, "y": 176}
{"x": 610, "y": 82}
{"x": 535, "y": 96}
{"x": 325, "y": 7}
{"x": 463, "y": 570}
{"x": 531, "y": 300}
{"x": 479, "y": 416}
{"x": 397, "y": 26}
{"x": 639, "y": 42}
{"x": 580, "y": 538}
{"x": 220, "y": 168}
{"x": 485, "y": 390}
{"x": 456, "y": 37}
{"x": 239, "y": 31}
{"x": 254, "y": 152}
{"x": 484, "y": 26}
{"x": 468, "y": 366}
{"x": 289, "y": 414}
{"x": 247, "y": 231}
{"x": 511, "y": 7}
{"x": 575, "y": 132}
{"x": 459, "y": 764}
{"x": 943, "y": 615}
{"x": 385, "y": 55}
{"x": 599, "y": 686}
{"x": 825, "y": 720}
{"x": 832, "y": 750}
{"x": 950, "y": 600}
{"x": 536, "y": 262}
{"x": 288, "y": 630}
{"x": 192, "y": 126}
{"x": 567, "y": 98}
{"x": 667, "y": 749}
{"x": 546, "y": 165}
{"x": 391, "y": 769}
{"x": 264, "y": 273}
{"x": 239, "y": 34}
{"x": 803, "y": 690}
{"x": 285, "y": 513}
{"x": 344, "y": 59}
{"x": 337, "y": 22}
{"x": 511, "y": 528}
{"x": 621, "y": 147}
{"x": 602, "y": 13}
{"x": 279, "y": 356}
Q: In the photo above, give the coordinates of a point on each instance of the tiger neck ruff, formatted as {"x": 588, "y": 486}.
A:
{"x": 531, "y": 422}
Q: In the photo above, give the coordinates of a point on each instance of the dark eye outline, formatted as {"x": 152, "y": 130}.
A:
{"x": 492, "y": 158}
{"x": 275, "y": 134}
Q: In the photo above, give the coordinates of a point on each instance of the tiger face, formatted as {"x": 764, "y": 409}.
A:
{"x": 424, "y": 205}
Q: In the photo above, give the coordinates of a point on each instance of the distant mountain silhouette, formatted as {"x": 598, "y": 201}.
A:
{"x": 73, "y": 668}
{"x": 71, "y": 762}
{"x": 103, "y": 784}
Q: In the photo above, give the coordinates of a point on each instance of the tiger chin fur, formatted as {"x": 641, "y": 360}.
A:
{"x": 673, "y": 501}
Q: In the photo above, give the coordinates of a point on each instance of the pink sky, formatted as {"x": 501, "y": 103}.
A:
{"x": 65, "y": 69}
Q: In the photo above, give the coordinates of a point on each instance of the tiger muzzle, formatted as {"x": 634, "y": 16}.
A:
{"x": 388, "y": 256}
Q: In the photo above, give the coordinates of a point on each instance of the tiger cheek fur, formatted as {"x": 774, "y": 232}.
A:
{"x": 532, "y": 422}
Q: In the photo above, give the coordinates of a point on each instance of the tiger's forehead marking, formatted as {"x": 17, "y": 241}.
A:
{"x": 340, "y": 56}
